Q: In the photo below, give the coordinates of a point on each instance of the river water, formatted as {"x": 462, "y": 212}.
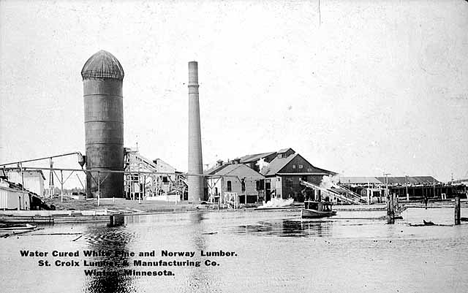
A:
{"x": 272, "y": 251}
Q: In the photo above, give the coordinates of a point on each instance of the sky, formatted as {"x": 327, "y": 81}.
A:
{"x": 358, "y": 87}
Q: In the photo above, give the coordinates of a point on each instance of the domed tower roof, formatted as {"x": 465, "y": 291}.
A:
{"x": 102, "y": 65}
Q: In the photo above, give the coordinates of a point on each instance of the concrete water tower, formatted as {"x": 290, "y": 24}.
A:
{"x": 104, "y": 127}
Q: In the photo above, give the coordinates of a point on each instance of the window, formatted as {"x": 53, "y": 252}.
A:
{"x": 260, "y": 184}
{"x": 289, "y": 182}
{"x": 229, "y": 186}
{"x": 294, "y": 166}
{"x": 301, "y": 166}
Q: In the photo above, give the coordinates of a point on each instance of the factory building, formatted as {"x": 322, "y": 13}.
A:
{"x": 152, "y": 179}
{"x": 284, "y": 173}
{"x": 234, "y": 182}
{"x": 252, "y": 161}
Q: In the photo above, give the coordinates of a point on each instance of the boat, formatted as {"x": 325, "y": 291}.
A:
{"x": 317, "y": 209}
{"x": 16, "y": 227}
{"x": 8, "y": 229}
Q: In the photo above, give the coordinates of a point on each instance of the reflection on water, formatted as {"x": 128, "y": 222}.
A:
{"x": 275, "y": 252}
{"x": 110, "y": 245}
{"x": 289, "y": 228}
{"x": 199, "y": 280}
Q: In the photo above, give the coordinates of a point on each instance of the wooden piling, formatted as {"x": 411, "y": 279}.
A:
{"x": 390, "y": 209}
{"x": 457, "y": 210}
{"x": 116, "y": 220}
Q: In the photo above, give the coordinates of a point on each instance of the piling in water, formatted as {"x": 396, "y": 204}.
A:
{"x": 116, "y": 220}
{"x": 391, "y": 209}
{"x": 457, "y": 210}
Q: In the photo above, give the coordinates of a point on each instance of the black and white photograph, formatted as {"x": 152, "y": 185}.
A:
{"x": 234, "y": 146}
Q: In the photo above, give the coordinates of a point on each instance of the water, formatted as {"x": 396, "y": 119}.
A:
{"x": 273, "y": 252}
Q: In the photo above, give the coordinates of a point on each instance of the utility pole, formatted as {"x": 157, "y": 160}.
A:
{"x": 390, "y": 204}
{"x": 99, "y": 187}
{"x": 61, "y": 185}
{"x": 406, "y": 187}
{"x": 386, "y": 184}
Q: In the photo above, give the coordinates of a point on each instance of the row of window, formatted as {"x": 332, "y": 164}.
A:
{"x": 289, "y": 183}
{"x": 229, "y": 185}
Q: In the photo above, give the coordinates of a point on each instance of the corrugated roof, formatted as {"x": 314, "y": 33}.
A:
{"x": 102, "y": 65}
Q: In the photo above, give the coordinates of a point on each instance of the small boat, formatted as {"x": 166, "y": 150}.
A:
{"x": 16, "y": 227}
{"x": 8, "y": 229}
{"x": 316, "y": 209}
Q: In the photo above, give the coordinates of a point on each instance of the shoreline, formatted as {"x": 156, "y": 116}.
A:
{"x": 87, "y": 211}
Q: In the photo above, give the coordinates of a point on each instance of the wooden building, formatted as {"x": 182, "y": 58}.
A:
{"x": 32, "y": 180}
{"x": 255, "y": 161}
{"x": 284, "y": 172}
{"x": 148, "y": 179}
{"x": 235, "y": 180}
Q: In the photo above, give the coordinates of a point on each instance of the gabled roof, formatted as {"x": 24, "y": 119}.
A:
{"x": 254, "y": 157}
{"x": 214, "y": 169}
{"x": 278, "y": 164}
{"x": 239, "y": 170}
{"x": 163, "y": 165}
{"x": 281, "y": 151}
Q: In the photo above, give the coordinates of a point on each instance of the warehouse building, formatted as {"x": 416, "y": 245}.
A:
{"x": 234, "y": 182}
{"x": 32, "y": 180}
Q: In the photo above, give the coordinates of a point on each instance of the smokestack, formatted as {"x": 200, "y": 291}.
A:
{"x": 195, "y": 161}
{"x": 103, "y": 105}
